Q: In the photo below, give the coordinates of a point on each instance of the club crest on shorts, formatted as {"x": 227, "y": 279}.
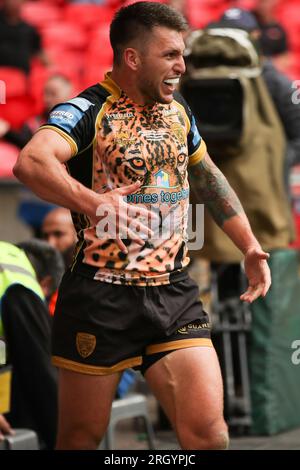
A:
{"x": 182, "y": 330}
{"x": 85, "y": 344}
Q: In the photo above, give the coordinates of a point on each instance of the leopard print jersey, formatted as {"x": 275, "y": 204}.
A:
{"x": 149, "y": 144}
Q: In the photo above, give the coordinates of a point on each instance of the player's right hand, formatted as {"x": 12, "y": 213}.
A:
{"x": 123, "y": 220}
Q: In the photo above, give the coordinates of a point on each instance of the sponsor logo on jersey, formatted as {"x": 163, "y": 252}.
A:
{"x": 178, "y": 131}
{"x": 66, "y": 115}
{"x": 124, "y": 139}
{"x": 153, "y": 135}
{"x": 170, "y": 112}
{"x": 119, "y": 116}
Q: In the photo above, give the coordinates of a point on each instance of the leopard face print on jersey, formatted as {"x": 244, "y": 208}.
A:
{"x": 134, "y": 148}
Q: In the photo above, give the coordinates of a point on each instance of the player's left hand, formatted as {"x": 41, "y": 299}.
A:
{"x": 258, "y": 274}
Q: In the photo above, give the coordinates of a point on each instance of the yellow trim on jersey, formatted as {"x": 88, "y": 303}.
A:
{"x": 66, "y": 136}
{"x": 197, "y": 156}
{"x": 111, "y": 86}
{"x": 185, "y": 116}
{"x": 91, "y": 143}
{"x": 98, "y": 118}
{"x": 108, "y": 102}
{"x": 96, "y": 370}
{"x": 201, "y": 151}
{"x": 178, "y": 344}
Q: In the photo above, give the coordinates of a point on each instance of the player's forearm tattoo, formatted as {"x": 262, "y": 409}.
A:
{"x": 213, "y": 190}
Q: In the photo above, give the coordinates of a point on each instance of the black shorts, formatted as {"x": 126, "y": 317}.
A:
{"x": 100, "y": 328}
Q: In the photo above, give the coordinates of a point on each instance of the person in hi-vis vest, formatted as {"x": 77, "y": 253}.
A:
{"x": 26, "y": 279}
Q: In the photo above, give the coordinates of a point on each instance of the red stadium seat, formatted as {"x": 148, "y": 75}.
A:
{"x": 199, "y": 4}
{"x": 63, "y": 36}
{"x": 289, "y": 14}
{"x": 199, "y": 14}
{"x": 246, "y": 4}
{"x": 60, "y": 3}
{"x": 15, "y": 81}
{"x": 17, "y": 110}
{"x": 38, "y": 76}
{"x": 8, "y": 157}
{"x": 129, "y": 2}
{"x": 200, "y": 18}
{"x": 88, "y": 16}
{"x": 40, "y": 13}
{"x": 99, "y": 49}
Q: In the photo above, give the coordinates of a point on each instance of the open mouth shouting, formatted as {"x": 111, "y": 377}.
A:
{"x": 171, "y": 83}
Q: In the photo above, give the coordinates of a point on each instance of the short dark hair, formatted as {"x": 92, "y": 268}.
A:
{"x": 134, "y": 20}
{"x": 45, "y": 259}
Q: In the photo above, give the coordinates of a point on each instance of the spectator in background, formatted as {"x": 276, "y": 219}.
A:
{"x": 58, "y": 230}
{"x": 26, "y": 281}
{"x": 57, "y": 89}
{"x": 273, "y": 40}
{"x": 19, "y": 41}
{"x": 47, "y": 263}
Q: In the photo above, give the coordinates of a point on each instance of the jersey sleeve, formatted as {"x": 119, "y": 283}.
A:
{"x": 75, "y": 122}
{"x": 196, "y": 145}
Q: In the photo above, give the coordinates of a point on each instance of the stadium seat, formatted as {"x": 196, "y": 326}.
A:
{"x": 99, "y": 50}
{"x": 128, "y": 2}
{"x": 132, "y": 406}
{"x": 37, "y": 78}
{"x": 63, "y": 36}
{"x": 199, "y": 14}
{"x": 56, "y": 2}
{"x": 87, "y": 16}
{"x": 199, "y": 4}
{"x": 40, "y": 13}
{"x": 15, "y": 81}
{"x": 17, "y": 110}
{"x": 23, "y": 439}
{"x": 289, "y": 15}
{"x": 246, "y": 4}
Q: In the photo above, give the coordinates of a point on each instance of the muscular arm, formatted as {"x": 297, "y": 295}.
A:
{"x": 212, "y": 189}
{"x": 40, "y": 168}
